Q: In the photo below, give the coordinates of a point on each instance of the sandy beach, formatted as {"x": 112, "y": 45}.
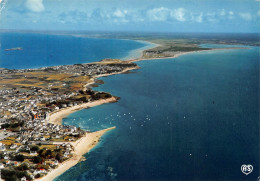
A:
{"x": 81, "y": 146}
{"x": 57, "y": 116}
{"x": 86, "y": 143}
{"x": 185, "y": 53}
{"x": 175, "y": 56}
{"x": 124, "y": 71}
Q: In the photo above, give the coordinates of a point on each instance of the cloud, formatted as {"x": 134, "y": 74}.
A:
{"x": 35, "y": 5}
{"x": 218, "y": 16}
{"x": 245, "y": 16}
{"x": 150, "y": 15}
{"x": 211, "y": 17}
{"x": 161, "y": 14}
{"x": 2, "y": 5}
{"x": 165, "y": 14}
{"x": 158, "y": 14}
{"x": 230, "y": 15}
{"x": 197, "y": 18}
{"x": 179, "y": 14}
{"x": 258, "y": 13}
{"x": 72, "y": 16}
{"x": 222, "y": 12}
{"x": 120, "y": 14}
{"x": 98, "y": 15}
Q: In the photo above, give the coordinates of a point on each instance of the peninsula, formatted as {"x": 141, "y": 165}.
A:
{"x": 33, "y": 143}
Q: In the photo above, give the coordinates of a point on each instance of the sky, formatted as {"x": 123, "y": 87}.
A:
{"x": 132, "y": 15}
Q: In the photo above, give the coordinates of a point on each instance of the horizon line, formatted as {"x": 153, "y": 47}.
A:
{"x": 123, "y": 31}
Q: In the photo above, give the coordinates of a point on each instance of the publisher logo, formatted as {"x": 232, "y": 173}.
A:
{"x": 246, "y": 169}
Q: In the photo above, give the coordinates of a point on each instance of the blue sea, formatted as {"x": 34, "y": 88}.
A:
{"x": 195, "y": 117}
{"x": 40, "y": 50}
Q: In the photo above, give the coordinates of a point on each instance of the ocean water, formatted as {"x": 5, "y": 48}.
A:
{"x": 195, "y": 117}
{"x": 40, "y": 50}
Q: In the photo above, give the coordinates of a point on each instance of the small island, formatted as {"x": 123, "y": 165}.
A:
{"x": 12, "y": 49}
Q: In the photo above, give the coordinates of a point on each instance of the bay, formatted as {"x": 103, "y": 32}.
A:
{"x": 195, "y": 117}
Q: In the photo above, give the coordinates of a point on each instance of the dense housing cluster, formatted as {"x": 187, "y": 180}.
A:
{"x": 30, "y": 146}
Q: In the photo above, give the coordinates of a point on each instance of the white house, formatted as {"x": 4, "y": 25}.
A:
{"x": 13, "y": 146}
{"x": 33, "y": 153}
{"x": 2, "y": 147}
{"x": 1, "y": 165}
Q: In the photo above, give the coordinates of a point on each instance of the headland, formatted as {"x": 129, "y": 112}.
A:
{"x": 33, "y": 103}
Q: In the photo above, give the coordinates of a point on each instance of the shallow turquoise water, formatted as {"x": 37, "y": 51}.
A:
{"x": 195, "y": 117}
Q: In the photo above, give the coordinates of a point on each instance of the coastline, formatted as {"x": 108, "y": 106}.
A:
{"x": 86, "y": 143}
{"x": 184, "y": 53}
{"x": 136, "y": 54}
{"x": 93, "y": 79}
{"x": 90, "y": 140}
{"x": 57, "y": 116}
{"x": 81, "y": 147}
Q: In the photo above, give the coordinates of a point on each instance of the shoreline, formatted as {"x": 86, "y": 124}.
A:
{"x": 184, "y": 53}
{"x": 90, "y": 140}
{"x": 93, "y": 79}
{"x": 57, "y": 116}
{"x": 81, "y": 147}
{"x": 137, "y": 53}
{"x": 86, "y": 143}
